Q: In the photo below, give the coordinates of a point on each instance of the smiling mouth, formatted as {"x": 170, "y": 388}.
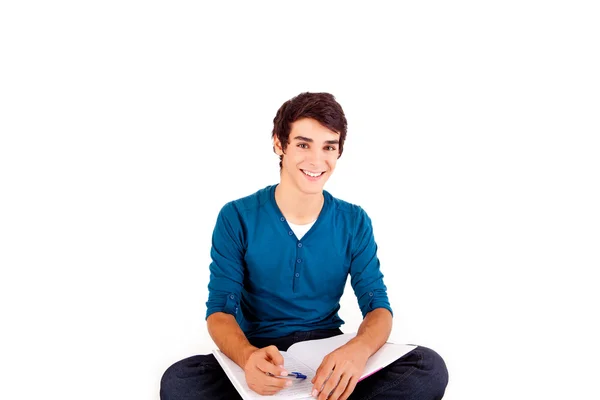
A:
{"x": 312, "y": 174}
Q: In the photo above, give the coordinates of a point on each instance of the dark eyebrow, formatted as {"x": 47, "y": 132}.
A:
{"x": 305, "y": 139}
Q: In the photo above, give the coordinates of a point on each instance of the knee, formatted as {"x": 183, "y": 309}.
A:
{"x": 176, "y": 382}
{"x": 168, "y": 382}
{"x": 187, "y": 379}
{"x": 435, "y": 368}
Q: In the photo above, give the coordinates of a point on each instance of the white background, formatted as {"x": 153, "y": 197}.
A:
{"x": 472, "y": 144}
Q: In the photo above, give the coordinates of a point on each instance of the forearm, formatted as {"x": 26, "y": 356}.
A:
{"x": 229, "y": 338}
{"x": 374, "y": 331}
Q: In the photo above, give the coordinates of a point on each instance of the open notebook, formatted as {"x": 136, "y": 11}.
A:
{"x": 305, "y": 357}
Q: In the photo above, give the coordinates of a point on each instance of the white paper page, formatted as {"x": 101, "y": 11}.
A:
{"x": 300, "y": 388}
{"x": 312, "y": 352}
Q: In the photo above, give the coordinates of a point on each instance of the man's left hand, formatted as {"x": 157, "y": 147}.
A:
{"x": 339, "y": 371}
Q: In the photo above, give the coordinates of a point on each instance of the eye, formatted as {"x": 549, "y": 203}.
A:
{"x": 303, "y": 145}
{"x": 330, "y": 148}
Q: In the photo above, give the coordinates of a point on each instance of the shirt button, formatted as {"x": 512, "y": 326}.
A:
{"x": 371, "y": 294}
{"x": 299, "y": 260}
{"x": 231, "y": 297}
{"x": 290, "y": 233}
{"x": 236, "y": 310}
{"x": 297, "y": 275}
{"x": 282, "y": 219}
{"x": 299, "y": 244}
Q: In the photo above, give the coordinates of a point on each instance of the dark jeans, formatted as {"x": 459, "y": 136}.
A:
{"x": 419, "y": 375}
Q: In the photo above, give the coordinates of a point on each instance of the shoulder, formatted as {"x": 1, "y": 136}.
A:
{"x": 345, "y": 207}
{"x": 243, "y": 205}
{"x": 352, "y": 216}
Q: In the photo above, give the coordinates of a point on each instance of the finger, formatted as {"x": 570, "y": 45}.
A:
{"x": 323, "y": 373}
{"x": 276, "y": 389}
{"x": 328, "y": 364}
{"x": 278, "y": 382}
{"x": 270, "y": 391}
{"x": 268, "y": 368}
{"x": 330, "y": 385}
{"x": 274, "y": 355}
{"x": 267, "y": 390}
{"x": 341, "y": 387}
{"x": 264, "y": 383}
{"x": 269, "y": 380}
{"x": 350, "y": 388}
{"x": 256, "y": 384}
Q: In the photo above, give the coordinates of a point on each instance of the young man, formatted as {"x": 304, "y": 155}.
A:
{"x": 280, "y": 260}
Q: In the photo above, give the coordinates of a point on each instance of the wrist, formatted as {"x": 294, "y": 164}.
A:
{"x": 363, "y": 346}
{"x": 246, "y": 352}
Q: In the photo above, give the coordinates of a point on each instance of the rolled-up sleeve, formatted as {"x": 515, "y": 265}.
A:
{"x": 227, "y": 265}
{"x": 366, "y": 276}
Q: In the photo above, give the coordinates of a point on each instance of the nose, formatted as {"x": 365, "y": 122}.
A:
{"x": 315, "y": 157}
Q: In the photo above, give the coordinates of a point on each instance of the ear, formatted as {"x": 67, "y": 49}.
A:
{"x": 277, "y": 147}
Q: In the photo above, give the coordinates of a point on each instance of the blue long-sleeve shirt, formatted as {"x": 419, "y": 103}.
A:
{"x": 275, "y": 284}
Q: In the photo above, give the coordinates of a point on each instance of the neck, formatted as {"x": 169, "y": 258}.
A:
{"x": 296, "y": 206}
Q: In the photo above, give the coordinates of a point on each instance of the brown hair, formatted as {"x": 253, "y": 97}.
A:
{"x": 319, "y": 106}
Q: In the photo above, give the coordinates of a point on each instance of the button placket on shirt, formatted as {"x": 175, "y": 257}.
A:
{"x": 299, "y": 260}
{"x": 297, "y": 264}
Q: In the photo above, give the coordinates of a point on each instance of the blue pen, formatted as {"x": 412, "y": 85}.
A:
{"x": 296, "y": 375}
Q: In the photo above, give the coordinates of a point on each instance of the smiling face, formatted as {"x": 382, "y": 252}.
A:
{"x": 310, "y": 156}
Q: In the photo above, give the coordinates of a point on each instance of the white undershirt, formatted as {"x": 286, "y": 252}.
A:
{"x": 300, "y": 230}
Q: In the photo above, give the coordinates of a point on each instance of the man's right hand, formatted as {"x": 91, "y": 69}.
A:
{"x": 259, "y": 365}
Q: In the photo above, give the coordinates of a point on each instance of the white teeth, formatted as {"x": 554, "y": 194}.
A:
{"x": 312, "y": 174}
